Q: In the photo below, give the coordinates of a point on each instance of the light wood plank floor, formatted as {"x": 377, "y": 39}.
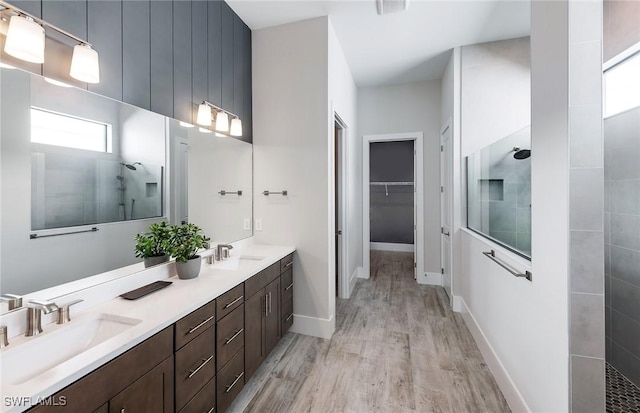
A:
{"x": 398, "y": 347}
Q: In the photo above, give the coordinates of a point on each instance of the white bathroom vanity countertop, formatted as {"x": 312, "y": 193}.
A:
{"x": 155, "y": 312}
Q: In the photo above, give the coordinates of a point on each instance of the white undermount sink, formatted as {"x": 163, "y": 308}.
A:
{"x": 238, "y": 261}
{"x": 48, "y": 350}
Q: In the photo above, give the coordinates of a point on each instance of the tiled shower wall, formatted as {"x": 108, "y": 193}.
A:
{"x": 622, "y": 242}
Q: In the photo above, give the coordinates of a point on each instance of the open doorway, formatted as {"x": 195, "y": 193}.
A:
{"x": 393, "y": 216}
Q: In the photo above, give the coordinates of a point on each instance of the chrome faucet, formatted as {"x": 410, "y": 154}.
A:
{"x": 35, "y": 308}
{"x": 14, "y": 301}
{"x": 222, "y": 251}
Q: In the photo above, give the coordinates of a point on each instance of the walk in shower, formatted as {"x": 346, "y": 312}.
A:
{"x": 622, "y": 235}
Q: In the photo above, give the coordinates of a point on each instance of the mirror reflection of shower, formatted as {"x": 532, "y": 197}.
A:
{"x": 122, "y": 188}
{"x": 521, "y": 153}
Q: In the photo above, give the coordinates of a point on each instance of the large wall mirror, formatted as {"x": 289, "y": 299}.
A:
{"x": 82, "y": 174}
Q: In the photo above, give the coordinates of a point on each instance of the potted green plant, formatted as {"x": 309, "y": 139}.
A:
{"x": 184, "y": 243}
{"x": 153, "y": 245}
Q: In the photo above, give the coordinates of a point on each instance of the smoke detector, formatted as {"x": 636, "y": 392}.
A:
{"x": 391, "y": 6}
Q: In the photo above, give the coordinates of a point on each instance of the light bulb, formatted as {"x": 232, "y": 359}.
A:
{"x": 204, "y": 115}
{"x": 85, "y": 66}
{"x": 236, "y": 127}
{"x": 222, "y": 122}
{"x": 25, "y": 39}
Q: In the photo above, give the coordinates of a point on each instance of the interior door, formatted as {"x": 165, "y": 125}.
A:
{"x": 445, "y": 208}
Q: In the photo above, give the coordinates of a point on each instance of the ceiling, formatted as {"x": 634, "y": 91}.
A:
{"x": 402, "y": 47}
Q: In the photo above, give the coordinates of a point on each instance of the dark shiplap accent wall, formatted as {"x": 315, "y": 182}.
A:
{"x": 162, "y": 55}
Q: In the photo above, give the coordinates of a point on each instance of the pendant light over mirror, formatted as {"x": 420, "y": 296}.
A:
{"x": 25, "y": 39}
{"x": 204, "y": 115}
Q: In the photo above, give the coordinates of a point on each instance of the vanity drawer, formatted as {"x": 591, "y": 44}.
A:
{"x": 230, "y": 336}
{"x": 286, "y": 282}
{"x": 204, "y": 401}
{"x": 195, "y": 366}
{"x": 260, "y": 280}
{"x": 287, "y": 315}
{"x": 230, "y": 382}
{"x": 190, "y": 326}
{"x": 286, "y": 263}
{"x": 228, "y": 301}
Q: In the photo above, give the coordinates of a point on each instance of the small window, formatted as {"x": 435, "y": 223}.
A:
{"x": 52, "y": 128}
{"x": 622, "y": 86}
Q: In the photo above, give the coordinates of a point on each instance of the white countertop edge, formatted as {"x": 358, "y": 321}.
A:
{"x": 79, "y": 366}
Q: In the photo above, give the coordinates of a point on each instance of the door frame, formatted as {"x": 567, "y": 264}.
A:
{"x": 344, "y": 290}
{"x": 418, "y": 138}
{"x": 448, "y": 125}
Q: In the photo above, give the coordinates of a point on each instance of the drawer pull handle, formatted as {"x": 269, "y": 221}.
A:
{"x": 289, "y": 264}
{"x": 233, "y": 302}
{"x": 192, "y": 329}
{"x": 238, "y": 377}
{"x": 197, "y": 369}
{"x": 288, "y": 287}
{"x": 236, "y": 334}
{"x": 213, "y": 409}
{"x": 289, "y": 318}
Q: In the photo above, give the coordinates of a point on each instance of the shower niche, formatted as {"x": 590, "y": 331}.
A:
{"x": 499, "y": 192}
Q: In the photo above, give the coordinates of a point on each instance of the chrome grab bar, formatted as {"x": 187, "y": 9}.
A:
{"x": 223, "y": 193}
{"x": 267, "y": 193}
{"x": 492, "y": 255}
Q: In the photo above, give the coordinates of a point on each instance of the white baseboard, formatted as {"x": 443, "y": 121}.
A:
{"x": 430, "y": 278}
{"x": 390, "y": 246}
{"x": 509, "y": 390}
{"x": 457, "y": 304}
{"x": 362, "y": 273}
{"x": 312, "y": 326}
{"x": 354, "y": 278}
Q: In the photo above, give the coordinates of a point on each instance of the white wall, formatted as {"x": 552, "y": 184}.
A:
{"x": 292, "y": 151}
{"x": 412, "y": 107}
{"x": 343, "y": 101}
{"x": 520, "y": 326}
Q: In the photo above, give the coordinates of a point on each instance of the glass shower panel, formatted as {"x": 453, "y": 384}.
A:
{"x": 499, "y": 192}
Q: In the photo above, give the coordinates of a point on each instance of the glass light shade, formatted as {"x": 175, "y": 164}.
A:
{"x": 222, "y": 122}
{"x": 84, "y": 64}
{"x": 204, "y": 115}
{"x": 236, "y": 127}
{"x": 25, "y": 40}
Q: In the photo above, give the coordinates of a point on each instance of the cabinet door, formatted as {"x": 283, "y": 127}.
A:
{"x": 136, "y": 53}
{"x": 238, "y": 64}
{"x": 247, "y": 112}
{"x": 103, "y": 16}
{"x": 215, "y": 50}
{"x": 153, "y": 392}
{"x": 162, "y": 57}
{"x": 272, "y": 324}
{"x": 254, "y": 319}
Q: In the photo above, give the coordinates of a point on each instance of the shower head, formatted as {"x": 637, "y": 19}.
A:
{"x": 131, "y": 166}
{"x": 521, "y": 153}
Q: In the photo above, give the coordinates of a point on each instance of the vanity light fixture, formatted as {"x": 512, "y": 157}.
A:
{"x": 26, "y": 41}
{"x": 204, "y": 118}
{"x": 236, "y": 127}
{"x": 222, "y": 122}
{"x": 204, "y": 115}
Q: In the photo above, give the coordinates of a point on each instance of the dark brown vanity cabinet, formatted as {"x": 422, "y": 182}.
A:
{"x": 140, "y": 380}
{"x": 286, "y": 283}
{"x": 262, "y": 319}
